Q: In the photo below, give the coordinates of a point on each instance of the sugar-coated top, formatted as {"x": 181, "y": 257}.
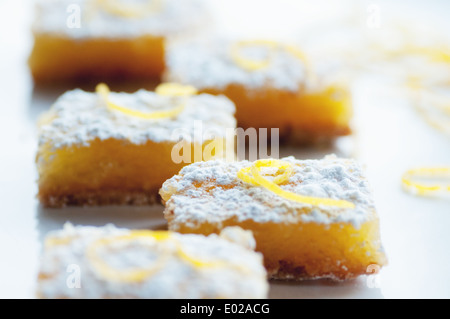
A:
{"x": 90, "y": 19}
{"x": 208, "y": 63}
{"x": 211, "y": 191}
{"x": 235, "y": 271}
{"x": 79, "y": 117}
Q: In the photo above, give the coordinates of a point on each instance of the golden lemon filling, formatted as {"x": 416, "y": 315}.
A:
{"x": 55, "y": 58}
{"x": 305, "y": 117}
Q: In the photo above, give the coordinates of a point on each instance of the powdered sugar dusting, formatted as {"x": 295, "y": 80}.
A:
{"x": 79, "y": 117}
{"x": 241, "y": 276}
{"x": 174, "y": 17}
{"x": 331, "y": 177}
{"x": 207, "y": 63}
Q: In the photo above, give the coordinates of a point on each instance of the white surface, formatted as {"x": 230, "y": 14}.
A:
{"x": 390, "y": 138}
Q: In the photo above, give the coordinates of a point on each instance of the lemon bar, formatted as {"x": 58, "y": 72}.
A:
{"x": 104, "y": 148}
{"x": 108, "y": 39}
{"x": 311, "y": 219}
{"x": 274, "y": 85}
{"x": 109, "y": 262}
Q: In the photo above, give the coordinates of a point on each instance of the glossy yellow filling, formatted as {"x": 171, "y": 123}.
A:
{"x": 307, "y": 250}
{"x": 109, "y": 167}
{"x": 324, "y": 113}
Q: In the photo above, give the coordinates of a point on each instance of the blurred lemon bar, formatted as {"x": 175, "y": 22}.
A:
{"x": 108, "y": 39}
{"x": 311, "y": 219}
{"x": 109, "y": 262}
{"x": 101, "y": 148}
{"x": 273, "y": 84}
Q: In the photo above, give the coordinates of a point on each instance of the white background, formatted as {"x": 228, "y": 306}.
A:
{"x": 389, "y": 138}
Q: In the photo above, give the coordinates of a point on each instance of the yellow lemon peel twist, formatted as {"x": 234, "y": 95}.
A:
{"x": 254, "y": 65}
{"x": 131, "y": 11}
{"x": 175, "y": 89}
{"x": 428, "y": 172}
{"x": 56, "y": 241}
{"x": 427, "y": 103}
{"x": 197, "y": 262}
{"x": 141, "y": 274}
{"x": 126, "y": 275}
{"x": 433, "y": 54}
{"x": 258, "y": 180}
{"x": 165, "y": 89}
{"x": 251, "y": 64}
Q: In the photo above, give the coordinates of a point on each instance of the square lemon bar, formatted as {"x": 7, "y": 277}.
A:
{"x": 101, "y": 148}
{"x": 273, "y": 84}
{"x": 311, "y": 219}
{"x": 109, "y": 262}
{"x": 108, "y": 39}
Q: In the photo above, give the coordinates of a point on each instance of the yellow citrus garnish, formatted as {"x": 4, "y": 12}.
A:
{"x": 439, "y": 123}
{"x": 243, "y": 174}
{"x": 127, "y": 275}
{"x": 197, "y": 262}
{"x": 175, "y": 89}
{"x": 432, "y": 53}
{"x": 57, "y": 241}
{"x": 130, "y": 10}
{"x": 272, "y": 47}
{"x": 424, "y": 189}
{"x": 168, "y": 89}
{"x": 433, "y": 108}
{"x": 251, "y": 64}
{"x": 252, "y": 175}
{"x": 141, "y": 274}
